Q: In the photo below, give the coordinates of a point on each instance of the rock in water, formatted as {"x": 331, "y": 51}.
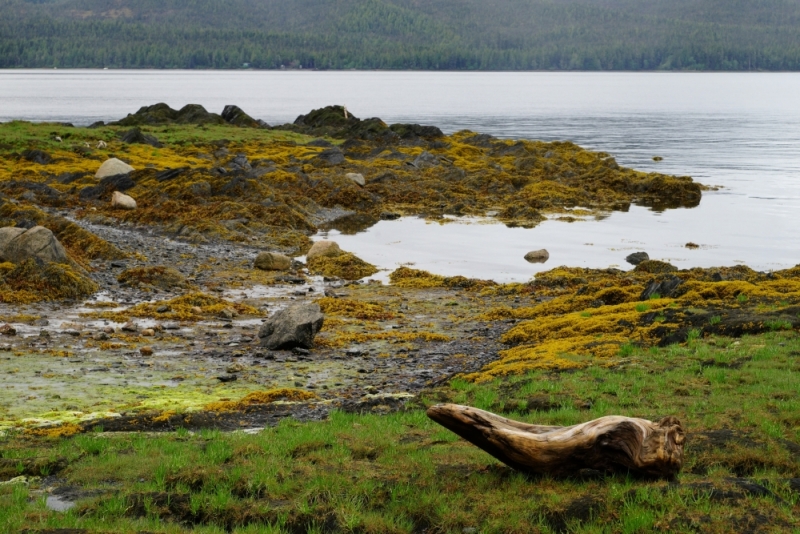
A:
{"x": 123, "y": 201}
{"x": 637, "y": 257}
{"x": 323, "y": 248}
{"x": 113, "y": 167}
{"x": 356, "y": 178}
{"x": 38, "y": 243}
{"x": 272, "y": 261}
{"x": 295, "y": 326}
{"x": 537, "y": 256}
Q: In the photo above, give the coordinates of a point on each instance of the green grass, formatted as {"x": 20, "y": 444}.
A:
{"x": 403, "y": 473}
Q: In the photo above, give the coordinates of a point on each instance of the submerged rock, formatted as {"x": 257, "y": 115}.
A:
{"x": 272, "y": 261}
{"x": 537, "y": 256}
{"x": 113, "y": 167}
{"x": 295, "y": 326}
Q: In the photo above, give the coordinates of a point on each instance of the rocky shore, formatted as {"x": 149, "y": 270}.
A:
{"x": 172, "y": 236}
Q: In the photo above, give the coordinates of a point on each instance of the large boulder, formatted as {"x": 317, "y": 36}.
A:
{"x": 37, "y": 242}
{"x": 113, "y": 167}
{"x": 272, "y": 261}
{"x": 324, "y": 248}
{"x": 295, "y": 326}
{"x": 236, "y": 116}
{"x": 7, "y": 234}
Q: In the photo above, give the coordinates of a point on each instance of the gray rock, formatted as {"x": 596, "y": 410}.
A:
{"x": 295, "y": 326}
{"x": 135, "y": 136}
{"x": 113, "y": 167}
{"x": 37, "y": 242}
{"x": 537, "y": 256}
{"x": 637, "y": 257}
{"x": 272, "y": 261}
{"x": 426, "y": 159}
{"x": 331, "y": 156}
{"x": 357, "y": 178}
{"x": 7, "y": 234}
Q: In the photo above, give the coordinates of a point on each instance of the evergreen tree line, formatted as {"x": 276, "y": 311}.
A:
{"x": 376, "y": 34}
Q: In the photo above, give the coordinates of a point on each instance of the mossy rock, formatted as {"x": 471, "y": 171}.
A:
{"x": 347, "y": 266}
{"x": 31, "y": 281}
{"x": 158, "y": 276}
{"x": 655, "y": 267}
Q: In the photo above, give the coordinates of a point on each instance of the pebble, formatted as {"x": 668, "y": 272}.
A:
{"x": 148, "y": 332}
{"x": 8, "y": 330}
{"x": 130, "y": 326}
{"x": 146, "y": 351}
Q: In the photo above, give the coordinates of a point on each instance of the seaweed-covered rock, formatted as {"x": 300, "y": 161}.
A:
{"x": 346, "y": 265}
{"x": 324, "y": 248}
{"x": 38, "y": 243}
{"x": 113, "y": 167}
{"x": 272, "y": 261}
{"x": 655, "y": 267}
{"x": 37, "y": 156}
{"x": 109, "y": 184}
{"x": 158, "y": 276}
{"x": 163, "y": 114}
{"x": 413, "y": 131}
{"x": 295, "y": 326}
{"x": 32, "y": 281}
{"x": 135, "y": 136}
{"x": 236, "y": 116}
{"x": 330, "y": 156}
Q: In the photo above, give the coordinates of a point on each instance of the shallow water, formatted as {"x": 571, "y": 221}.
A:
{"x": 737, "y": 130}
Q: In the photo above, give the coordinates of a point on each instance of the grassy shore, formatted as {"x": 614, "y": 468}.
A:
{"x": 401, "y": 472}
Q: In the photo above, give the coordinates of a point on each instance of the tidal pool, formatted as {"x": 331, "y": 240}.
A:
{"x": 486, "y": 249}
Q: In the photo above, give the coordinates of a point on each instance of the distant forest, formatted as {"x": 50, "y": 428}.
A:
{"x": 736, "y": 35}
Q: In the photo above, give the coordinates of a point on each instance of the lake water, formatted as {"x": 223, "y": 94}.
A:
{"x": 738, "y": 131}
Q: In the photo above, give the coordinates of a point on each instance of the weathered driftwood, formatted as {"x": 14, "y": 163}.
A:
{"x": 609, "y": 444}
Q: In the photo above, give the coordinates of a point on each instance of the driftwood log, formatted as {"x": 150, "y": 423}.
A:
{"x": 609, "y": 444}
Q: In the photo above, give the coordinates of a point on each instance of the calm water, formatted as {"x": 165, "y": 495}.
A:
{"x": 740, "y": 131}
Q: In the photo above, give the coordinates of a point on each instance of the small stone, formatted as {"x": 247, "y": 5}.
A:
{"x": 691, "y": 245}
{"x": 171, "y": 326}
{"x": 146, "y": 351}
{"x": 537, "y": 256}
{"x": 163, "y": 309}
{"x": 227, "y": 378}
{"x": 197, "y": 310}
{"x": 227, "y": 313}
{"x": 637, "y": 257}
{"x": 148, "y": 332}
{"x": 71, "y": 332}
{"x": 130, "y": 326}
{"x": 101, "y": 336}
{"x": 356, "y": 178}
{"x": 108, "y": 330}
{"x": 122, "y": 201}
{"x": 8, "y": 330}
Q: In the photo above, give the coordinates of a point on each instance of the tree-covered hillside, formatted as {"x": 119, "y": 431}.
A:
{"x": 403, "y": 34}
